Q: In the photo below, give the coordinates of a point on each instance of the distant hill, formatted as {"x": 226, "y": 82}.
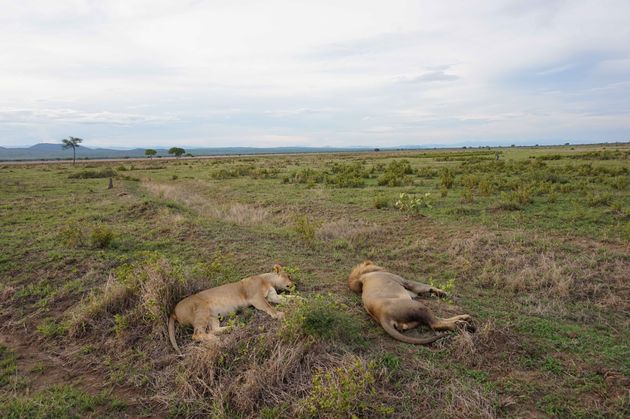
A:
{"x": 48, "y": 151}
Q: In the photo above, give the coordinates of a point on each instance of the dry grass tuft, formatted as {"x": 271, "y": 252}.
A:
{"x": 482, "y": 348}
{"x": 239, "y": 213}
{"x": 354, "y": 232}
{"x": 463, "y": 400}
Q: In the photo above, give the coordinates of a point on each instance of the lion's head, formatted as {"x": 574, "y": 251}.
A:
{"x": 281, "y": 279}
{"x": 362, "y": 268}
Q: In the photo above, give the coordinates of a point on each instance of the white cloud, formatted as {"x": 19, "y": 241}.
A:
{"x": 246, "y": 72}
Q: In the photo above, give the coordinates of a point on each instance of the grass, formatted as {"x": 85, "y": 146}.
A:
{"x": 533, "y": 245}
{"x": 59, "y": 402}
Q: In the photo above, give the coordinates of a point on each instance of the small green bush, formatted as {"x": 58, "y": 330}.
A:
{"x": 71, "y": 235}
{"x": 101, "y": 237}
{"x": 397, "y": 173}
{"x": 346, "y": 391}
{"x": 447, "y": 178}
{"x": 380, "y": 201}
{"x": 413, "y": 204}
{"x": 347, "y": 175}
{"x": 508, "y": 203}
{"x": 323, "y": 318}
{"x": 305, "y": 227}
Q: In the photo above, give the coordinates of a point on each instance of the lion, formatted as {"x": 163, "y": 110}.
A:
{"x": 202, "y": 310}
{"x": 389, "y": 299}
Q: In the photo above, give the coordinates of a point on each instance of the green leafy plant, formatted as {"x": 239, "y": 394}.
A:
{"x": 413, "y": 204}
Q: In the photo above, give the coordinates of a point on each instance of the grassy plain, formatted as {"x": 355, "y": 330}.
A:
{"x": 535, "y": 245}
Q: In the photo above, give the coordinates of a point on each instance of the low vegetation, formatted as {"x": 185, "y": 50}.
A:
{"x": 533, "y": 243}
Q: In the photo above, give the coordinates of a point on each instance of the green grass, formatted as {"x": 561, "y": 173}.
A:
{"x": 59, "y": 402}
{"x": 7, "y": 365}
{"x": 98, "y": 269}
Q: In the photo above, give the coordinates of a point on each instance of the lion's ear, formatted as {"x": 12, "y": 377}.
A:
{"x": 368, "y": 262}
{"x": 277, "y": 268}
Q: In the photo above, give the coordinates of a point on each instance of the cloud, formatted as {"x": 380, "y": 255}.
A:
{"x": 242, "y": 73}
{"x": 51, "y": 116}
{"x": 428, "y": 77}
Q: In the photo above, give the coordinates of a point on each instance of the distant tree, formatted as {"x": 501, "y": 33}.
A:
{"x": 178, "y": 152}
{"x": 567, "y": 143}
{"x": 188, "y": 155}
{"x": 377, "y": 149}
{"x": 71, "y": 142}
{"x": 149, "y": 152}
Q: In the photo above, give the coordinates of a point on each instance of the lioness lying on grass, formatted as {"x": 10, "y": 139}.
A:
{"x": 388, "y": 298}
{"x": 202, "y": 310}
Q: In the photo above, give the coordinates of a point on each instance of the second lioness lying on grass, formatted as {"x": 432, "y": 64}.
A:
{"x": 388, "y": 298}
{"x": 202, "y": 310}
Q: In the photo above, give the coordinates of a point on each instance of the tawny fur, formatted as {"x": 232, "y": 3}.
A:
{"x": 202, "y": 310}
{"x": 389, "y": 299}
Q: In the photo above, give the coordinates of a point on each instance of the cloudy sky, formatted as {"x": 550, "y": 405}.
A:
{"x": 290, "y": 72}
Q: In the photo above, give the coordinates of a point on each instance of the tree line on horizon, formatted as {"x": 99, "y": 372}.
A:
{"x": 74, "y": 143}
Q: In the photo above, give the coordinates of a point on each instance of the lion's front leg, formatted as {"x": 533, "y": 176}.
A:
{"x": 215, "y": 326}
{"x": 273, "y": 297}
{"x": 261, "y": 303}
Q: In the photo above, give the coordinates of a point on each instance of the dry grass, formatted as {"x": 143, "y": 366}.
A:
{"x": 187, "y": 194}
{"x": 533, "y": 266}
{"x": 354, "y": 232}
{"x": 463, "y": 400}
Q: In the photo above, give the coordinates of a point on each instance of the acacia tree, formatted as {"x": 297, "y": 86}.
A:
{"x": 177, "y": 151}
{"x": 149, "y": 152}
{"x": 71, "y": 142}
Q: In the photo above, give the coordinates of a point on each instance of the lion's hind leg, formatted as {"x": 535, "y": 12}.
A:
{"x": 411, "y": 313}
{"x": 451, "y": 323}
{"x": 200, "y": 326}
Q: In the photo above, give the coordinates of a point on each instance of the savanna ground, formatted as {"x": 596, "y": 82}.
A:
{"x": 534, "y": 245}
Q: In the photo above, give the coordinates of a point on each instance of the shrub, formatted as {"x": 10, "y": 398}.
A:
{"x": 101, "y": 237}
{"x": 306, "y": 175}
{"x": 467, "y": 195}
{"x": 71, "y": 235}
{"x": 522, "y": 195}
{"x": 485, "y": 187}
{"x": 305, "y": 227}
{"x": 346, "y": 391}
{"x": 397, "y": 174}
{"x": 447, "y": 178}
{"x": 347, "y": 175}
{"x": 380, "y": 201}
{"x": 508, "y": 203}
{"x": 413, "y": 204}
{"x": 321, "y": 317}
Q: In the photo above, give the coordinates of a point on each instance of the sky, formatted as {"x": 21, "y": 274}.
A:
{"x": 122, "y": 73}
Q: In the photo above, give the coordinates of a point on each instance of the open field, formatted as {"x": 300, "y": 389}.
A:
{"x": 534, "y": 245}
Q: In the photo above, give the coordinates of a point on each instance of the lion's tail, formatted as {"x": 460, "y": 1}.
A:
{"x": 389, "y": 328}
{"x": 171, "y": 332}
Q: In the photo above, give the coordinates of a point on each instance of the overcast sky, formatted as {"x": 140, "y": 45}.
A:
{"x": 276, "y": 73}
